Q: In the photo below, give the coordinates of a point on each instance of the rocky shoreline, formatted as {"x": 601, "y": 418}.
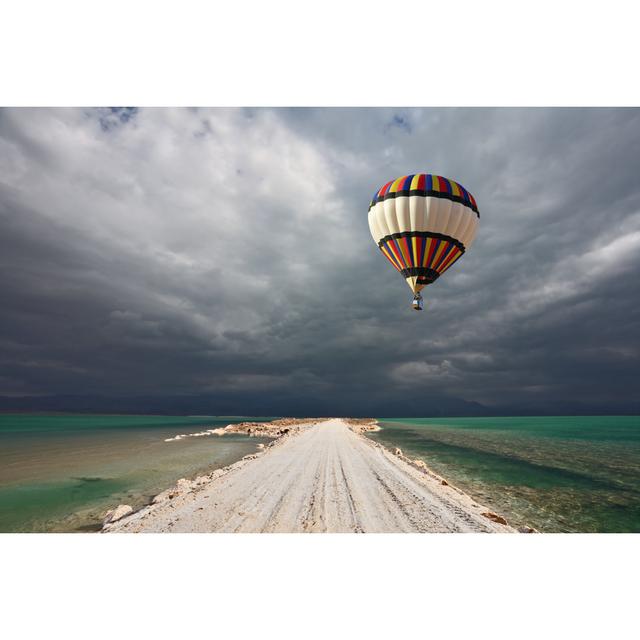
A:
{"x": 277, "y": 429}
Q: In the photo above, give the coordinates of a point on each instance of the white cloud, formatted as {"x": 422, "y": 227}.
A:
{"x": 194, "y": 211}
{"x": 421, "y": 372}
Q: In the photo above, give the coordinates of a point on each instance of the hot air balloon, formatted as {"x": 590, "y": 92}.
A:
{"x": 423, "y": 223}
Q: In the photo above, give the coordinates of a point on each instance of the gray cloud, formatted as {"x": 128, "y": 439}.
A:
{"x": 225, "y": 255}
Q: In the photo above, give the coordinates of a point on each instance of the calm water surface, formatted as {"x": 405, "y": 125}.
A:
{"x": 62, "y": 472}
{"x": 560, "y": 474}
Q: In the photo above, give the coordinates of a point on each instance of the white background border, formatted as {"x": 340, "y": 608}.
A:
{"x": 327, "y": 586}
{"x": 334, "y": 53}
{"x": 243, "y": 53}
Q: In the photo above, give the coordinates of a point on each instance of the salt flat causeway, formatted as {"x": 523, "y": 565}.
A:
{"x": 324, "y": 478}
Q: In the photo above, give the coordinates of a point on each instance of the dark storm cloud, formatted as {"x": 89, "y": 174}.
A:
{"x": 225, "y": 255}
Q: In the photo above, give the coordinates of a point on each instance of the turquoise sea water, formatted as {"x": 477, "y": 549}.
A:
{"x": 62, "y": 472}
{"x": 557, "y": 474}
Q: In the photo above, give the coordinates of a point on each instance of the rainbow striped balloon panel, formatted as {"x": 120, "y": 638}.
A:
{"x": 421, "y": 254}
{"x": 425, "y": 184}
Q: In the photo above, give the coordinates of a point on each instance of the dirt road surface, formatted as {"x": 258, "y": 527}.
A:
{"x": 324, "y": 479}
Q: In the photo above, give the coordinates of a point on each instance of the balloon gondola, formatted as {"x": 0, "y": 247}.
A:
{"x": 423, "y": 224}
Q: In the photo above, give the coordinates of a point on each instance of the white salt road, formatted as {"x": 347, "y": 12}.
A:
{"x": 325, "y": 479}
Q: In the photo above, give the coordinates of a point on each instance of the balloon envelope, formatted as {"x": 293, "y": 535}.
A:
{"x": 423, "y": 223}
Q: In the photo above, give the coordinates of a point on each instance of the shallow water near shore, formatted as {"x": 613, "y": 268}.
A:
{"x": 557, "y": 474}
{"x": 62, "y": 472}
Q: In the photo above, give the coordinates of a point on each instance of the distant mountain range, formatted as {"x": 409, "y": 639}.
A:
{"x": 420, "y": 406}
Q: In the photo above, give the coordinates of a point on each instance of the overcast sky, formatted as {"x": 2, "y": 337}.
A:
{"x": 225, "y": 254}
